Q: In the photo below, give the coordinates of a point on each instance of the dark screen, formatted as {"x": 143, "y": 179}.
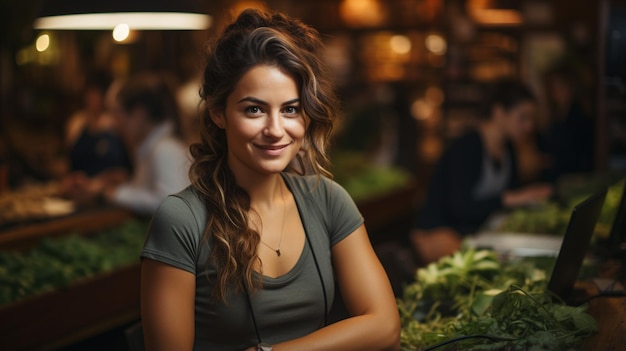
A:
{"x": 575, "y": 244}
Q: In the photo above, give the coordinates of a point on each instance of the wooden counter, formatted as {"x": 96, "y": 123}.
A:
{"x": 610, "y": 312}
{"x": 58, "y": 318}
{"x": 24, "y": 236}
{"x": 84, "y": 309}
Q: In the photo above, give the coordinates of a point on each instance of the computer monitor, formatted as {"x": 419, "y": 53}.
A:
{"x": 575, "y": 244}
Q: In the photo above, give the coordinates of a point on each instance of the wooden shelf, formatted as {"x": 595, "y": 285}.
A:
{"x": 61, "y": 317}
{"x": 86, "y": 308}
{"x": 24, "y": 236}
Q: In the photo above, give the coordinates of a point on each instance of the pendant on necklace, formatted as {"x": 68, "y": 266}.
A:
{"x": 277, "y": 252}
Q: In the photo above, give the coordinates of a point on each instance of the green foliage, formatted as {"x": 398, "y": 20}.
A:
{"x": 57, "y": 263}
{"x": 362, "y": 179}
{"x": 549, "y": 218}
{"x": 471, "y": 293}
{"x": 552, "y": 217}
{"x": 454, "y": 276}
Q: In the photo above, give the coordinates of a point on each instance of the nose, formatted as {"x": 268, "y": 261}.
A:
{"x": 274, "y": 126}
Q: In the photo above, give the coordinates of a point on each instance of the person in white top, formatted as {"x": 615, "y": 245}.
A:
{"x": 148, "y": 116}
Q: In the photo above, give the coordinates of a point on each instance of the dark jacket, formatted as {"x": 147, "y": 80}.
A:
{"x": 450, "y": 201}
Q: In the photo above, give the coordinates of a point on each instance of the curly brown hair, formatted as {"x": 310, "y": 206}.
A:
{"x": 255, "y": 38}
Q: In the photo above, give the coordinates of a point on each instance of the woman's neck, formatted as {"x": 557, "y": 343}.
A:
{"x": 264, "y": 190}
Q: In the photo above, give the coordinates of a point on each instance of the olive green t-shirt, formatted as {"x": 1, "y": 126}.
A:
{"x": 289, "y": 306}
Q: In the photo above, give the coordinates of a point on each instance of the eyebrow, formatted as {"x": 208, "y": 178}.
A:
{"x": 261, "y": 102}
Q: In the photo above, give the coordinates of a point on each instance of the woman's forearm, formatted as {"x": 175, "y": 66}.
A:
{"x": 359, "y": 333}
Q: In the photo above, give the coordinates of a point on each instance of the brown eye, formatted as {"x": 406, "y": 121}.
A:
{"x": 291, "y": 110}
{"x": 253, "y": 110}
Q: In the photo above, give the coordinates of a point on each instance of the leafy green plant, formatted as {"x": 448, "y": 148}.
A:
{"x": 57, "y": 263}
{"x": 549, "y": 218}
{"x": 489, "y": 305}
{"x": 553, "y": 217}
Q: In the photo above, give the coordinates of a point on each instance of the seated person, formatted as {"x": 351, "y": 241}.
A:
{"x": 92, "y": 137}
{"x": 148, "y": 115}
{"x": 477, "y": 175}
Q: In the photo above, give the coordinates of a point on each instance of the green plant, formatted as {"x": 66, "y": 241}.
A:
{"x": 489, "y": 305}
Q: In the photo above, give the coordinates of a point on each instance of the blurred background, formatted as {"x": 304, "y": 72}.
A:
{"x": 412, "y": 71}
{"x": 412, "y": 76}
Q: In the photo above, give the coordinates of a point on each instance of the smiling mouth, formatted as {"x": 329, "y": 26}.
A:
{"x": 273, "y": 147}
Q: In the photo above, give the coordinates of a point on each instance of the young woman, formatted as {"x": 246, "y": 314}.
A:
{"x": 477, "y": 175}
{"x": 248, "y": 256}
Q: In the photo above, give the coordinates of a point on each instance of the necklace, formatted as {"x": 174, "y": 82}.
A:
{"x": 282, "y": 227}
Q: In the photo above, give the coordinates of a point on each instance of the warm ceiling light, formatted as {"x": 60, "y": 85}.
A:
{"x": 239, "y": 6}
{"x": 121, "y": 32}
{"x": 106, "y": 15}
{"x": 494, "y": 12}
{"x": 436, "y": 44}
{"x": 134, "y": 20}
{"x": 42, "y": 43}
{"x": 362, "y": 13}
{"x": 498, "y": 17}
{"x": 400, "y": 44}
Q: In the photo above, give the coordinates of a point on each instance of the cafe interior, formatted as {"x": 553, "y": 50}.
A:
{"x": 413, "y": 77}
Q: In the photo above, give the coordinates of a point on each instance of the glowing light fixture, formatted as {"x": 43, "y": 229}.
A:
{"x": 421, "y": 109}
{"x": 436, "y": 44}
{"x": 121, "y": 32}
{"x": 363, "y": 13}
{"x": 400, "y": 44}
{"x": 42, "y": 43}
{"x": 136, "y": 14}
{"x": 495, "y": 12}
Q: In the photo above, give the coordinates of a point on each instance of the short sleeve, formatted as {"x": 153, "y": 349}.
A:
{"x": 344, "y": 215}
{"x": 173, "y": 235}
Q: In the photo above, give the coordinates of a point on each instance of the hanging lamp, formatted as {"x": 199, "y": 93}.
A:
{"x": 136, "y": 14}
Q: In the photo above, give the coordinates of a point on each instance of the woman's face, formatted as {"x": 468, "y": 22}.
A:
{"x": 518, "y": 122}
{"x": 263, "y": 121}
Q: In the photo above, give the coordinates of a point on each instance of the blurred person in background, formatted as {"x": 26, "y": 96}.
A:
{"x": 92, "y": 133}
{"x": 92, "y": 137}
{"x": 147, "y": 112}
{"x": 568, "y": 141}
{"x": 477, "y": 175}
